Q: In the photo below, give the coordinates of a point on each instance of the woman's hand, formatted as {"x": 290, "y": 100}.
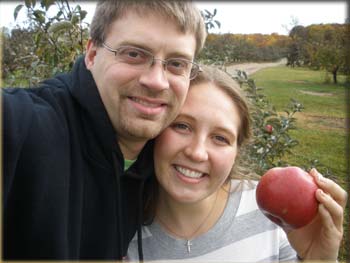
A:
{"x": 320, "y": 239}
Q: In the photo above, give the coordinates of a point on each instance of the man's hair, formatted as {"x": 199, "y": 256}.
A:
{"x": 182, "y": 12}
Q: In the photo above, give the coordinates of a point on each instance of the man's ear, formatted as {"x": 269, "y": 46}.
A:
{"x": 90, "y": 54}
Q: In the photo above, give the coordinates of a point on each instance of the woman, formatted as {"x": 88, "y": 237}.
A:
{"x": 205, "y": 206}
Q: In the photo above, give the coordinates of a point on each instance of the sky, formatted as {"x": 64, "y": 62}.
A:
{"x": 239, "y": 17}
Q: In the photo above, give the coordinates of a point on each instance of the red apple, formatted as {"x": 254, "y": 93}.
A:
{"x": 269, "y": 128}
{"x": 287, "y": 197}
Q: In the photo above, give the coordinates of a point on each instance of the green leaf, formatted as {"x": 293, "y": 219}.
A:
{"x": 37, "y": 39}
{"x": 62, "y": 25}
{"x": 77, "y": 8}
{"x": 40, "y": 16}
{"x": 74, "y": 19}
{"x": 47, "y": 3}
{"x": 83, "y": 14}
{"x": 17, "y": 9}
{"x": 28, "y": 3}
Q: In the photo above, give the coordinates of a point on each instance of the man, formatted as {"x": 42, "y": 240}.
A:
{"x": 68, "y": 191}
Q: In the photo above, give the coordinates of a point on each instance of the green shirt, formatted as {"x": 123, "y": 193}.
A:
{"x": 128, "y": 163}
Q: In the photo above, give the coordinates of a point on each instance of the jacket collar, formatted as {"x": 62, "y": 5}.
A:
{"x": 97, "y": 125}
{"x": 99, "y": 133}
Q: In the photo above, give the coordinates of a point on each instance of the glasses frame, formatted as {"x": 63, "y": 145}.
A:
{"x": 195, "y": 68}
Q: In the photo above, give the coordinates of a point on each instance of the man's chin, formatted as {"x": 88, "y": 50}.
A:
{"x": 145, "y": 132}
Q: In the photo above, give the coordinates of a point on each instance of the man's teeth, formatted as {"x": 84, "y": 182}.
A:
{"x": 146, "y": 103}
{"x": 188, "y": 173}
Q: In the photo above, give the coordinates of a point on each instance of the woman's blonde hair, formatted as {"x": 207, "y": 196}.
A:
{"x": 222, "y": 80}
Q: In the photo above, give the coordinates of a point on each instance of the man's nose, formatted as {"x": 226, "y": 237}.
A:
{"x": 155, "y": 76}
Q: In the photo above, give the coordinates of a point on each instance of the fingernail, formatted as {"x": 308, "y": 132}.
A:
{"x": 319, "y": 177}
{"x": 321, "y": 192}
{"x": 313, "y": 172}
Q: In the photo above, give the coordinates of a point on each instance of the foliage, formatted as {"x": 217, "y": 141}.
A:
{"x": 49, "y": 44}
{"x": 209, "y": 20}
{"x": 271, "y": 138}
{"x": 17, "y": 53}
{"x": 224, "y": 49}
{"x": 321, "y": 46}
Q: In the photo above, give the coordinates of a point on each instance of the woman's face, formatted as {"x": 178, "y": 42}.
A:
{"x": 195, "y": 154}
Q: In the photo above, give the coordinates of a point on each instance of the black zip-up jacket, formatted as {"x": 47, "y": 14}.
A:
{"x": 65, "y": 192}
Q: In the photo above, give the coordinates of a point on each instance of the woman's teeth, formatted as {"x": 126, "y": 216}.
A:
{"x": 188, "y": 173}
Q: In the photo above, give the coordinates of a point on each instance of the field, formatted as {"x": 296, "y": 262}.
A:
{"x": 321, "y": 126}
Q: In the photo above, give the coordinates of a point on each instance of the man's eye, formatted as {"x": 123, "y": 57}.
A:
{"x": 131, "y": 55}
{"x": 177, "y": 63}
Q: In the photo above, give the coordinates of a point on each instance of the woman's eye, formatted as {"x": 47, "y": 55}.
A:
{"x": 221, "y": 139}
{"x": 181, "y": 126}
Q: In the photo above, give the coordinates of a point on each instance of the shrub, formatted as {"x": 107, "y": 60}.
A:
{"x": 271, "y": 138}
{"x": 51, "y": 42}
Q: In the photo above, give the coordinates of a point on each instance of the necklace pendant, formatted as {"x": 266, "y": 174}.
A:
{"x": 189, "y": 244}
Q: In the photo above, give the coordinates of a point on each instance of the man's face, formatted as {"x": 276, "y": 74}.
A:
{"x": 141, "y": 102}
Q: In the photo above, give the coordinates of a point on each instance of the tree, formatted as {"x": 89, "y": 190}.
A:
{"x": 17, "y": 53}
{"x": 225, "y": 49}
{"x": 319, "y": 47}
{"x": 296, "y": 54}
{"x": 330, "y": 54}
{"x": 55, "y": 40}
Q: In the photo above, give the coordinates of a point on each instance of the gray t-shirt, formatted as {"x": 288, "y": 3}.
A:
{"x": 242, "y": 234}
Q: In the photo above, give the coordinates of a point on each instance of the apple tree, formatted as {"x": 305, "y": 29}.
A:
{"x": 57, "y": 39}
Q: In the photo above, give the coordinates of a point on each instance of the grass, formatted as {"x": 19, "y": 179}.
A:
{"x": 321, "y": 127}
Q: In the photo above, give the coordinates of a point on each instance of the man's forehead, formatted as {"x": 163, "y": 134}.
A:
{"x": 153, "y": 33}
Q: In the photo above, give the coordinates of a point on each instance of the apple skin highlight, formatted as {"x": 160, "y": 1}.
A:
{"x": 287, "y": 197}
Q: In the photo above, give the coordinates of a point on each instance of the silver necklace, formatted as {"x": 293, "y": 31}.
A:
{"x": 189, "y": 239}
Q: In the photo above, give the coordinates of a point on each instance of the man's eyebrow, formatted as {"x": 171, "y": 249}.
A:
{"x": 180, "y": 55}
{"x": 133, "y": 44}
{"x": 174, "y": 54}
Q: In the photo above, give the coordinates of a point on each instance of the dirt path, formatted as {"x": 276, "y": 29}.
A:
{"x": 251, "y": 68}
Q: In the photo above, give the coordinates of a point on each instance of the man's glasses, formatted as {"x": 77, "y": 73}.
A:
{"x": 141, "y": 58}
